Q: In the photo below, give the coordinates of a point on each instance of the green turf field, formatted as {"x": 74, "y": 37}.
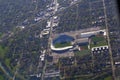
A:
{"x": 98, "y": 41}
{"x": 60, "y": 45}
{"x": 97, "y": 38}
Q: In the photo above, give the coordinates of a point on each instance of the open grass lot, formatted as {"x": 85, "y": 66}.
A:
{"x": 7, "y": 62}
{"x": 101, "y": 43}
{"x": 108, "y": 78}
{"x": 1, "y": 77}
{"x": 82, "y": 53}
{"x": 3, "y": 50}
{"x": 98, "y": 41}
{"x": 98, "y": 38}
{"x": 60, "y": 45}
{"x": 1, "y": 35}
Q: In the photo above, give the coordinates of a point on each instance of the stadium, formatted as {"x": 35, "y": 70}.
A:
{"x": 81, "y": 40}
{"x": 62, "y": 43}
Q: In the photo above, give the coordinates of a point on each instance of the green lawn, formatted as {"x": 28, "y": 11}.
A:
{"x": 82, "y": 53}
{"x": 99, "y": 40}
{"x": 1, "y": 35}
{"x": 7, "y": 62}
{"x": 1, "y": 77}
{"x": 108, "y": 78}
{"x": 3, "y": 50}
{"x": 101, "y": 43}
{"x": 60, "y": 45}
